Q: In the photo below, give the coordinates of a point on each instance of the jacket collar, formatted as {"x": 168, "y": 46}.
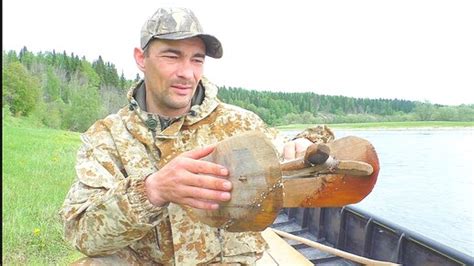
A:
{"x": 143, "y": 123}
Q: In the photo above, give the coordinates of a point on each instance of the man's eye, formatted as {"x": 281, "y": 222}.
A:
{"x": 198, "y": 60}
{"x": 170, "y": 56}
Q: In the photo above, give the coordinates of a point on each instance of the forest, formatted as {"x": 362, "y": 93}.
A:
{"x": 65, "y": 91}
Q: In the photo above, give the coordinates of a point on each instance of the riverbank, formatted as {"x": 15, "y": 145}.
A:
{"x": 389, "y": 125}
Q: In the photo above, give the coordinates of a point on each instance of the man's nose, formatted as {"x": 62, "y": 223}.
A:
{"x": 185, "y": 70}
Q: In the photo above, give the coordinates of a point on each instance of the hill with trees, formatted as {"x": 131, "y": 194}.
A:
{"x": 60, "y": 90}
{"x": 282, "y": 108}
{"x": 65, "y": 91}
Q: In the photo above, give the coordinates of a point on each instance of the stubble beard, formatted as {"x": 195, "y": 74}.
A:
{"x": 175, "y": 102}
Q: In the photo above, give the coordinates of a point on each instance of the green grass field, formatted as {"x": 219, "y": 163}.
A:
{"x": 37, "y": 171}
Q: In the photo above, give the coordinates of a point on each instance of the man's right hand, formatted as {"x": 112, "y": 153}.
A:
{"x": 190, "y": 181}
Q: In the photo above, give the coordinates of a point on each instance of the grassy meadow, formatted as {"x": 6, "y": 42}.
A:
{"x": 37, "y": 171}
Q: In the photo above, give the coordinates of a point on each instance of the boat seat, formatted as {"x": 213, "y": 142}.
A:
{"x": 280, "y": 252}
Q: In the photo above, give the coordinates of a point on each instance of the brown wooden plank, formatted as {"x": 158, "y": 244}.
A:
{"x": 254, "y": 167}
{"x": 333, "y": 190}
{"x": 281, "y": 252}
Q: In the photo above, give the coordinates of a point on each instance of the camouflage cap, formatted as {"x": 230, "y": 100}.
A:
{"x": 178, "y": 24}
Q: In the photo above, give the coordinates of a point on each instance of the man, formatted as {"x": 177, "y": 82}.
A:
{"x": 137, "y": 170}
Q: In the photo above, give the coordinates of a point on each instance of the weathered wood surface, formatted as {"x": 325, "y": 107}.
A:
{"x": 298, "y": 168}
{"x": 335, "y": 189}
{"x": 261, "y": 188}
{"x": 254, "y": 167}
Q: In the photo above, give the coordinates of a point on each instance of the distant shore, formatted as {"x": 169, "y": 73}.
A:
{"x": 412, "y": 125}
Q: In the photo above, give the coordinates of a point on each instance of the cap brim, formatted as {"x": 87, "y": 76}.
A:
{"x": 213, "y": 45}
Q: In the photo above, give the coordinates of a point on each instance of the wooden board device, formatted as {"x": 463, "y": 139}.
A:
{"x": 334, "y": 174}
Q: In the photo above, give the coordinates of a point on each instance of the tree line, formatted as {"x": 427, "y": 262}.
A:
{"x": 62, "y": 90}
{"x": 283, "y": 108}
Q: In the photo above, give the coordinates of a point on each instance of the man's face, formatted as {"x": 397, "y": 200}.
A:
{"x": 172, "y": 71}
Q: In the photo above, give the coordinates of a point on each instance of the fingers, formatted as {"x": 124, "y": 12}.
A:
{"x": 204, "y": 167}
{"x": 205, "y": 194}
{"x": 301, "y": 145}
{"x": 289, "y": 151}
{"x": 209, "y": 182}
{"x": 190, "y": 181}
{"x": 295, "y": 148}
{"x": 201, "y": 198}
{"x": 201, "y": 204}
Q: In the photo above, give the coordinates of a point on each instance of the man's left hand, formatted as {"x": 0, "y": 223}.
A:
{"x": 295, "y": 148}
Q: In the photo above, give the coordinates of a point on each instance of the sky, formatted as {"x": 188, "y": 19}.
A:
{"x": 421, "y": 50}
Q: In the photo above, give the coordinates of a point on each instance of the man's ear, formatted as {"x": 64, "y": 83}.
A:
{"x": 139, "y": 56}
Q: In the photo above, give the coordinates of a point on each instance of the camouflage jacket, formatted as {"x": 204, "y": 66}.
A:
{"x": 106, "y": 209}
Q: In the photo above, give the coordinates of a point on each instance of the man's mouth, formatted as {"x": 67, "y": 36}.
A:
{"x": 182, "y": 89}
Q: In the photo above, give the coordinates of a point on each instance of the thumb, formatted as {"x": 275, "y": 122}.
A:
{"x": 199, "y": 153}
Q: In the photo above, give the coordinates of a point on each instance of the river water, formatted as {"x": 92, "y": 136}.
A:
{"x": 426, "y": 182}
